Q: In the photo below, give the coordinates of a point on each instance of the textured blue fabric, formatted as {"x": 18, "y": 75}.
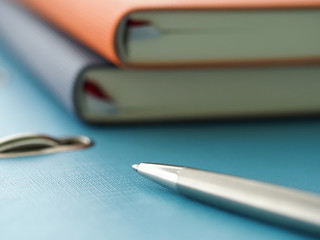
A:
{"x": 94, "y": 194}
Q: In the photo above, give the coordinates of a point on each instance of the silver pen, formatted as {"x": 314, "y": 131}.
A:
{"x": 276, "y": 204}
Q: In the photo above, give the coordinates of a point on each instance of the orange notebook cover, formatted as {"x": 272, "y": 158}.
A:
{"x": 95, "y": 22}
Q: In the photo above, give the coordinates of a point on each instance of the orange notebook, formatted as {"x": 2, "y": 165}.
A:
{"x": 175, "y": 33}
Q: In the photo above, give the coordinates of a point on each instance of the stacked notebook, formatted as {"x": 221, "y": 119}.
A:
{"x": 127, "y": 61}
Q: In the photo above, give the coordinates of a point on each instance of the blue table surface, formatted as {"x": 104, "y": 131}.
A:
{"x": 94, "y": 193}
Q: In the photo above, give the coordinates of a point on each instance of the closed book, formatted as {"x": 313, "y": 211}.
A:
{"x": 99, "y": 92}
{"x": 181, "y": 33}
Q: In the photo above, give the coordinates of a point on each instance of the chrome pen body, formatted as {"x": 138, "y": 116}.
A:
{"x": 264, "y": 201}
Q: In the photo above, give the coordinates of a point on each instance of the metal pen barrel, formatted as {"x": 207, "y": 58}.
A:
{"x": 269, "y": 202}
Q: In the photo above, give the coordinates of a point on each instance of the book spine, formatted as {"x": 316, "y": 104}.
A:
{"x": 55, "y": 59}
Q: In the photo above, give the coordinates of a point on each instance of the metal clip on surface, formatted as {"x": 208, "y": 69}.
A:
{"x": 30, "y": 144}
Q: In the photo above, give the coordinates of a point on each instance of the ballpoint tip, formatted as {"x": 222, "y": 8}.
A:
{"x": 135, "y": 166}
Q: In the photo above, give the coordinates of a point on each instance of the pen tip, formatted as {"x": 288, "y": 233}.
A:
{"x": 135, "y": 166}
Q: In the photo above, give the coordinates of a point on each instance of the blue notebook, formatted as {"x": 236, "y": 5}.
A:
{"x": 94, "y": 193}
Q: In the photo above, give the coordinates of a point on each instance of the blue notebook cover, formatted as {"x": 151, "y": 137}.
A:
{"x": 54, "y": 58}
{"x": 94, "y": 193}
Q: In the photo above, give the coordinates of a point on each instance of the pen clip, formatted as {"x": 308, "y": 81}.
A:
{"x": 30, "y": 144}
